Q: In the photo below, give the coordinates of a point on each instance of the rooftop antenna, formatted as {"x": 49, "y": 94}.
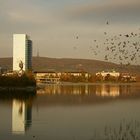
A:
{"x": 37, "y": 52}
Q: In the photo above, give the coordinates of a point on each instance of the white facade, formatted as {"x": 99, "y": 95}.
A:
{"x": 113, "y": 73}
{"x": 22, "y": 51}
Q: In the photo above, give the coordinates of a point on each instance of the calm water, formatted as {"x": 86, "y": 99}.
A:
{"x": 73, "y": 112}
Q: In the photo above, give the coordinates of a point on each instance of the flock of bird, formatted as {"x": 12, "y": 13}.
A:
{"x": 123, "y": 48}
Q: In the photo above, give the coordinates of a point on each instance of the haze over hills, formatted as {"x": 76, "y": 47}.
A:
{"x": 67, "y": 64}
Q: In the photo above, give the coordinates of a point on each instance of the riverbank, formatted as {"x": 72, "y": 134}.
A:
{"x": 90, "y": 83}
{"x": 16, "y": 81}
{"x": 18, "y": 89}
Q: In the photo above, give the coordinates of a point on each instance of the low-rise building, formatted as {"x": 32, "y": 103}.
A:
{"x": 47, "y": 77}
{"x": 51, "y": 76}
{"x": 127, "y": 77}
{"x": 76, "y": 74}
{"x": 45, "y": 73}
{"x": 111, "y": 73}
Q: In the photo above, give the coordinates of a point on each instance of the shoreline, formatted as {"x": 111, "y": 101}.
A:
{"x": 96, "y": 83}
{"x": 12, "y": 88}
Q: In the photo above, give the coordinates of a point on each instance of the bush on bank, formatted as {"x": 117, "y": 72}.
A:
{"x": 27, "y": 79}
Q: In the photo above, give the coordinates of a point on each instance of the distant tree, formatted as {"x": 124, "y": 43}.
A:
{"x": 99, "y": 78}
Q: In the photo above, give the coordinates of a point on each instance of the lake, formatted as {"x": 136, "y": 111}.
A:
{"x": 73, "y": 112}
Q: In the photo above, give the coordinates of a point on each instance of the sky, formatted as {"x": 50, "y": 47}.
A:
{"x": 66, "y": 28}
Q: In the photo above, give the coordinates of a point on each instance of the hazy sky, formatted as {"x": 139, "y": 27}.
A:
{"x": 53, "y": 25}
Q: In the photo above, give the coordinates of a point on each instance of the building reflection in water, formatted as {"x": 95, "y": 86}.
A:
{"x": 66, "y": 89}
{"x": 100, "y": 90}
{"x": 107, "y": 90}
{"x": 21, "y": 116}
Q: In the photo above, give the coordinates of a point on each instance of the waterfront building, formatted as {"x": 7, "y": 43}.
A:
{"x": 47, "y": 76}
{"x": 77, "y": 74}
{"x": 55, "y": 77}
{"x": 111, "y": 73}
{"x": 127, "y": 77}
{"x": 22, "y": 52}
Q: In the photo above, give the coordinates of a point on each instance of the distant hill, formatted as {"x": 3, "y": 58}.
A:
{"x": 67, "y": 64}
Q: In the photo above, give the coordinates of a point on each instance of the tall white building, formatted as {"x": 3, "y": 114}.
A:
{"x": 22, "y": 51}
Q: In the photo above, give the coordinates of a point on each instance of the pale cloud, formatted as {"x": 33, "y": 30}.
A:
{"x": 25, "y": 17}
{"x": 104, "y": 7}
{"x": 53, "y": 24}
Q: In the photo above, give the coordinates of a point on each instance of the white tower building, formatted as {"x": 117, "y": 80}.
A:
{"x": 22, "y": 51}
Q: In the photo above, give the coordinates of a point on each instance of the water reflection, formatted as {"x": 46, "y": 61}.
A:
{"x": 100, "y": 90}
{"x": 21, "y": 116}
{"x": 67, "y": 89}
{"x": 9, "y": 94}
{"x": 107, "y": 90}
{"x": 75, "y": 111}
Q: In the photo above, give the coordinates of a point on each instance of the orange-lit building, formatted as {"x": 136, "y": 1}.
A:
{"x": 111, "y": 73}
